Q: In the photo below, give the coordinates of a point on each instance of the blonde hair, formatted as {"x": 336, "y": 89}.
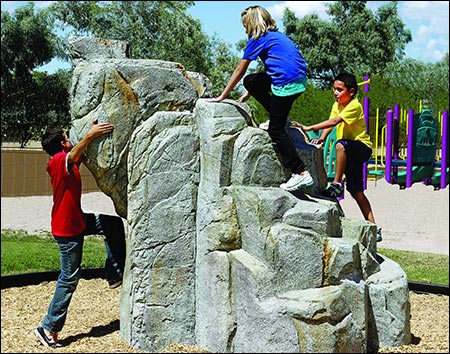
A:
{"x": 257, "y": 21}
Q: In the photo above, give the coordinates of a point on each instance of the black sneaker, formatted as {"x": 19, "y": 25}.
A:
{"x": 114, "y": 283}
{"x": 334, "y": 190}
{"x": 47, "y": 339}
{"x": 379, "y": 238}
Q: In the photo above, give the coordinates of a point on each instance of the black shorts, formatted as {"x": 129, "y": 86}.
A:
{"x": 357, "y": 154}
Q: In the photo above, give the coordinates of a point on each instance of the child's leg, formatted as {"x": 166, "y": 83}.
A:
{"x": 112, "y": 228}
{"x": 259, "y": 87}
{"x": 364, "y": 205}
{"x": 114, "y": 243}
{"x": 280, "y": 108}
{"x": 70, "y": 250}
{"x": 341, "y": 162}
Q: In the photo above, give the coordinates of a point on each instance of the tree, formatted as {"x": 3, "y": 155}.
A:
{"x": 354, "y": 40}
{"x": 222, "y": 64}
{"x": 46, "y": 107}
{"x": 27, "y": 42}
{"x": 426, "y": 81}
{"x": 154, "y": 29}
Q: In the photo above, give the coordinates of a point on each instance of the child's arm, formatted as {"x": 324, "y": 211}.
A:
{"x": 244, "y": 97}
{"x": 94, "y": 131}
{"x": 326, "y": 126}
{"x": 237, "y": 75}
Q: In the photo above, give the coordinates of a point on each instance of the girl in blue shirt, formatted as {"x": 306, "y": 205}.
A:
{"x": 276, "y": 89}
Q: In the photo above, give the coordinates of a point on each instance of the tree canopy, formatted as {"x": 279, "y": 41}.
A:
{"x": 355, "y": 39}
{"x": 27, "y": 41}
{"x": 29, "y": 101}
{"x": 154, "y": 29}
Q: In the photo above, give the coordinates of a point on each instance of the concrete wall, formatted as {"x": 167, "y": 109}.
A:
{"x": 24, "y": 174}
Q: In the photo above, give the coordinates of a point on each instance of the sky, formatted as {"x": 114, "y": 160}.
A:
{"x": 428, "y": 22}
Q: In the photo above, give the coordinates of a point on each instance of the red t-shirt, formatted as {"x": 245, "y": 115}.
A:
{"x": 67, "y": 217}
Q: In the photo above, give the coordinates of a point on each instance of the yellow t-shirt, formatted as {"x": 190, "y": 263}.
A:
{"x": 354, "y": 126}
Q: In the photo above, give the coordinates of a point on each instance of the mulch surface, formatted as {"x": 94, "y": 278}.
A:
{"x": 93, "y": 326}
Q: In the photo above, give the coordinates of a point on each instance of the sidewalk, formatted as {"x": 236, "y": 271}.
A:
{"x": 414, "y": 219}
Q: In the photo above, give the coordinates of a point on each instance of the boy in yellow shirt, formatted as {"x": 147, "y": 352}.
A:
{"x": 353, "y": 146}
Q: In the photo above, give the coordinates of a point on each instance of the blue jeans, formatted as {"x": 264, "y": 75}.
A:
{"x": 71, "y": 251}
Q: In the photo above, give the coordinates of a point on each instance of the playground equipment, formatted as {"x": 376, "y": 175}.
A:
{"x": 420, "y": 164}
{"x": 328, "y": 150}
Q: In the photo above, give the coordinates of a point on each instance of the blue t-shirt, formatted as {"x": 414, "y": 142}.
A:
{"x": 282, "y": 60}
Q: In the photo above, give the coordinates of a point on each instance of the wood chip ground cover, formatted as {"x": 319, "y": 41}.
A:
{"x": 93, "y": 325}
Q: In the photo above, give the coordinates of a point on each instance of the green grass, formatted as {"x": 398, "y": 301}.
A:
{"x": 24, "y": 253}
{"x": 419, "y": 266}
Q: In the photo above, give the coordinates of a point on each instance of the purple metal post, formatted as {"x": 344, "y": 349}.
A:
{"x": 396, "y": 130}
{"x": 409, "y": 149}
{"x": 366, "y": 102}
{"x": 444, "y": 136}
{"x": 389, "y": 131}
{"x": 366, "y": 118}
{"x": 395, "y": 138}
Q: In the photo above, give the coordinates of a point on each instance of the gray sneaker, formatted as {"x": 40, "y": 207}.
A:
{"x": 114, "y": 283}
{"x": 334, "y": 190}
{"x": 264, "y": 125}
{"x": 379, "y": 238}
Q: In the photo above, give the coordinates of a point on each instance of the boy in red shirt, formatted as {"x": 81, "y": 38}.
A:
{"x": 70, "y": 224}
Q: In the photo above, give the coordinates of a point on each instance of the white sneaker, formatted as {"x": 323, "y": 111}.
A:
{"x": 298, "y": 181}
{"x": 264, "y": 125}
{"x": 47, "y": 339}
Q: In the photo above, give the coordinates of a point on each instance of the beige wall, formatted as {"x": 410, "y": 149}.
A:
{"x": 24, "y": 174}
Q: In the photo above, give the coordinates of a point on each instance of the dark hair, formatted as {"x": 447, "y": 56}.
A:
{"x": 349, "y": 81}
{"x": 52, "y": 139}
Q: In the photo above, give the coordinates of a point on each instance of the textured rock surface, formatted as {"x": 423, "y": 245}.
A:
{"x": 217, "y": 253}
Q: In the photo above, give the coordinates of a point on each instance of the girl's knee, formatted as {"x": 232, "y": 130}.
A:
{"x": 250, "y": 78}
